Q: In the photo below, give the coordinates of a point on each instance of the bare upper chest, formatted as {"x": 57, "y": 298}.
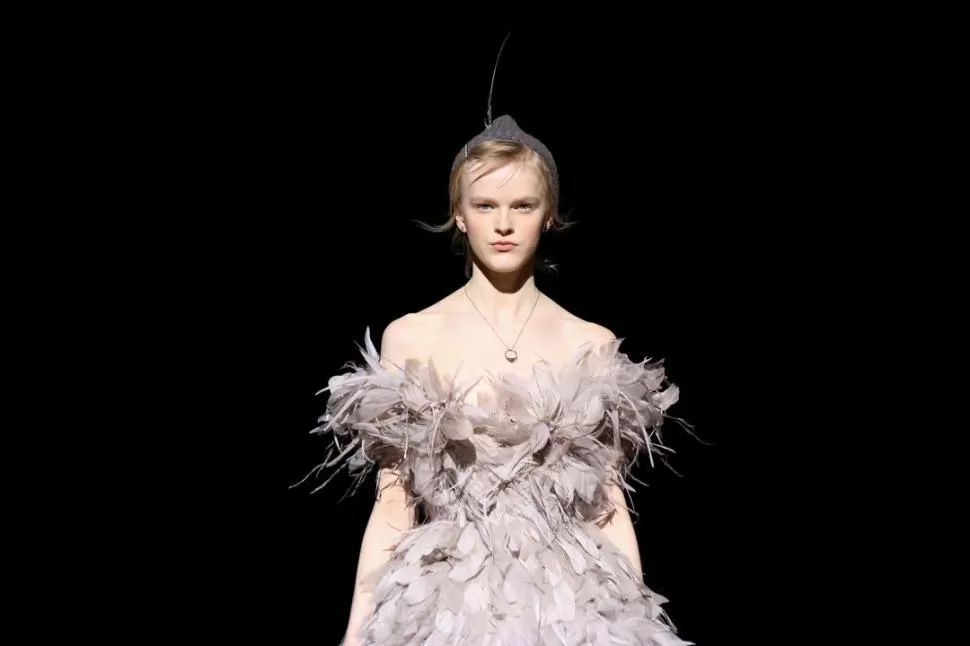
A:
{"x": 471, "y": 360}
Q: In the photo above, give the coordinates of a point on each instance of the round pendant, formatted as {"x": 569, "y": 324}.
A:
{"x": 511, "y": 355}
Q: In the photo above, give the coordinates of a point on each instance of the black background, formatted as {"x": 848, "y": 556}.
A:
{"x": 702, "y": 161}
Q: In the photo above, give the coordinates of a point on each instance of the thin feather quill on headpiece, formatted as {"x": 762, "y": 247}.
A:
{"x": 491, "y": 89}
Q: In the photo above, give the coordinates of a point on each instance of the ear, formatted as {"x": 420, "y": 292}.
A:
{"x": 460, "y": 221}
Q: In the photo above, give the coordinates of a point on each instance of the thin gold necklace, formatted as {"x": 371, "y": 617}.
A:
{"x": 510, "y": 353}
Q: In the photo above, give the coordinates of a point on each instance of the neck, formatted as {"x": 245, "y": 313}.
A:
{"x": 502, "y": 297}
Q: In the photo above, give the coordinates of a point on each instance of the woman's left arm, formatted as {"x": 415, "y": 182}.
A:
{"x": 619, "y": 529}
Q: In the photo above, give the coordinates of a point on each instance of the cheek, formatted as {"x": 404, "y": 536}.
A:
{"x": 537, "y": 226}
{"x": 473, "y": 226}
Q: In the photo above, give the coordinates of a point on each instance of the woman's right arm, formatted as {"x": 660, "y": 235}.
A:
{"x": 391, "y": 513}
{"x": 390, "y": 516}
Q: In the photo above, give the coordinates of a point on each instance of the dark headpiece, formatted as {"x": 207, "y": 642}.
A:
{"x": 506, "y": 129}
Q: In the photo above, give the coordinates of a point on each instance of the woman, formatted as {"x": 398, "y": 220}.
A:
{"x": 508, "y": 425}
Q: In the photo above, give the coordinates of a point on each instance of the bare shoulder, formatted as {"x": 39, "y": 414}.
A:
{"x": 395, "y": 341}
{"x": 578, "y": 332}
{"x": 598, "y": 334}
{"x": 590, "y": 333}
{"x": 411, "y": 336}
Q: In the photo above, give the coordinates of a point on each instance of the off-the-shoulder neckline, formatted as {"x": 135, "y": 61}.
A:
{"x": 609, "y": 352}
{"x": 594, "y": 369}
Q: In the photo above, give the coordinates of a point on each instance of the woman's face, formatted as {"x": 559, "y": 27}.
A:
{"x": 502, "y": 211}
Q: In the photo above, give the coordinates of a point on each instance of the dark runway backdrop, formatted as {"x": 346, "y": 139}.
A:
{"x": 688, "y": 166}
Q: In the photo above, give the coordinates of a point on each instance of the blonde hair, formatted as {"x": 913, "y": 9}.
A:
{"x": 493, "y": 154}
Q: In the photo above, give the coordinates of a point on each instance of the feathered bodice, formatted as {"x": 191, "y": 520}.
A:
{"x": 566, "y": 431}
{"x": 512, "y": 487}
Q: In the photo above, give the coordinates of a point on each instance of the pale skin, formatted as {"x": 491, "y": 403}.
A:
{"x": 504, "y": 205}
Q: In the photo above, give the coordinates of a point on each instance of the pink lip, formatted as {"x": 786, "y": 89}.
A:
{"x": 503, "y": 246}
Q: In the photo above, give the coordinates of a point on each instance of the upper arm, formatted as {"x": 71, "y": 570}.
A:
{"x": 396, "y": 347}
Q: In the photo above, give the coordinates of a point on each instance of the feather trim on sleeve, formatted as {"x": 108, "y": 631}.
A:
{"x": 638, "y": 397}
{"x": 616, "y": 409}
{"x": 389, "y": 418}
{"x": 366, "y": 418}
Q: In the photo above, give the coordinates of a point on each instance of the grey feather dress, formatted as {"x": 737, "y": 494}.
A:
{"x": 512, "y": 489}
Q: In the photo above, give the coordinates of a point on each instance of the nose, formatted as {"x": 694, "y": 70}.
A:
{"x": 503, "y": 222}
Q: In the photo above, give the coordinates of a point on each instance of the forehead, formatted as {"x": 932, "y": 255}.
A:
{"x": 513, "y": 179}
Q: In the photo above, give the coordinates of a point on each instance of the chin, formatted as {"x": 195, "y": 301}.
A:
{"x": 504, "y": 269}
{"x": 503, "y": 264}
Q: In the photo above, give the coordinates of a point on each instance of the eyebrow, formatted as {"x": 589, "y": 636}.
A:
{"x": 519, "y": 200}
